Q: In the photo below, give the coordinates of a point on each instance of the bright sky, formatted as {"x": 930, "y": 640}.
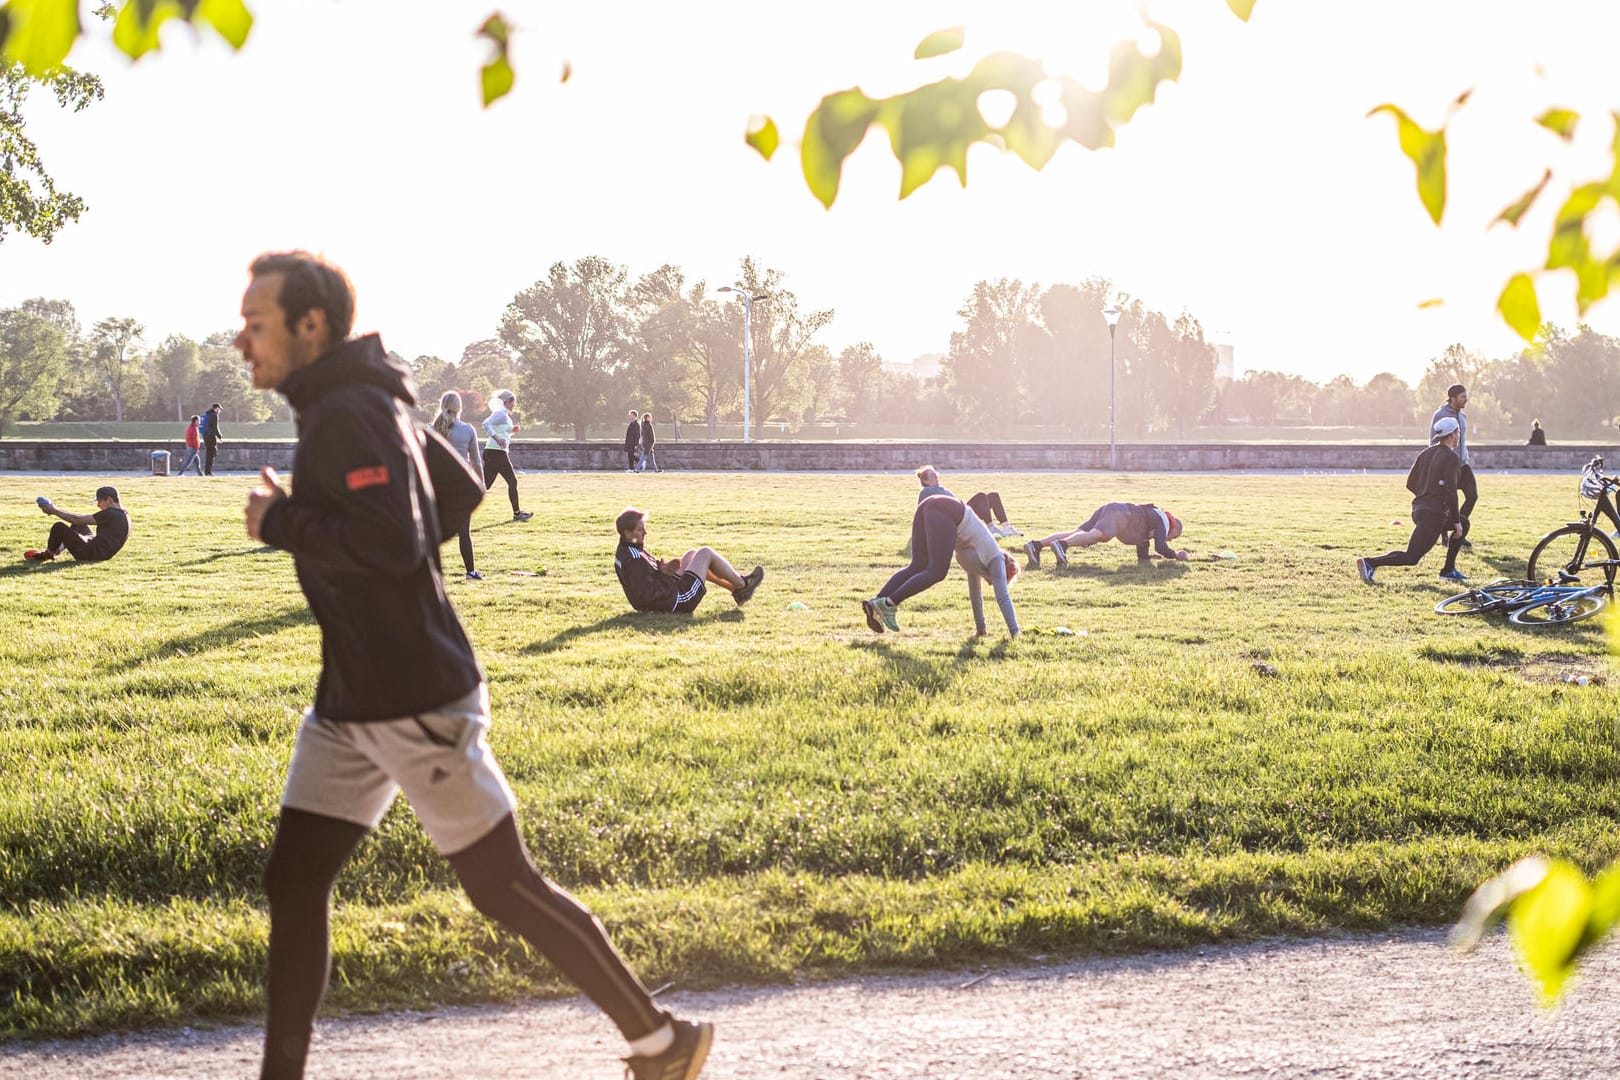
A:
{"x": 1254, "y": 194}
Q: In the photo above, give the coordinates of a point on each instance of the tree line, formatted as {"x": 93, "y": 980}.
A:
{"x": 588, "y": 339}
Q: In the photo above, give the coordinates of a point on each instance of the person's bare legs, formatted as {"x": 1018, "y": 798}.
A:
{"x": 710, "y": 565}
{"x": 1077, "y": 538}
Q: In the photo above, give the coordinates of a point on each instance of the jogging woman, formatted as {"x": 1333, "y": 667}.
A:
{"x": 943, "y": 524}
{"x": 464, "y": 438}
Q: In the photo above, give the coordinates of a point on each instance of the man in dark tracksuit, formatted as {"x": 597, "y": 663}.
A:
{"x": 401, "y": 702}
{"x": 1433, "y": 484}
{"x": 632, "y": 441}
{"x": 208, "y": 428}
{"x": 1456, "y": 399}
{"x": 678, "y": 585}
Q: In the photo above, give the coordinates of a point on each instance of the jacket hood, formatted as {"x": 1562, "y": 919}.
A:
{"x": 359, "y": 360}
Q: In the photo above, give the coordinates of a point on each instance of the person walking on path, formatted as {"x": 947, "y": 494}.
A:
{"x": 987, "y": 504}
{"x": 464, "y": 440}
{"x": 1433, "y": 482}
{"x": 500, "y": 428}
{"x": 943, "y": 525}
{"x": 1538, "y": 437}
{"x": 1456, "y": 399}
{"x": 208, "y": 428}
{"x": 193, "y": 448}
{"x": 678, "y": 585}
{"x": 401, "y": 702}
{"x": 72, "y": 534}
{"x": 632, "y": 442}
{"x": 648, "y": 441}
{"x": 1138, "y": 525}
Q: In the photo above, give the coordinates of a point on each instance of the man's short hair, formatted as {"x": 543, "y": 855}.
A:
{"x": 106, "y": 493}
{"x": 628, "y": 519}
{"x": 195, "y": 418}
{"x": 1454, "y": 389}
{"x": 215, "y": 405}
{"x": 309, "y": 283}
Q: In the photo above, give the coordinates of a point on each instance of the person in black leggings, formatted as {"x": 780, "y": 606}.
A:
{"x": 500, "y": 428}
{"x": 943, "y": 526}
{"x": 1433, "y": 481}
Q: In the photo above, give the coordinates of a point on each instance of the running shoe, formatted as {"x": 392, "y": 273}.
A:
{"x": 884, "y": 609}
{"x": 682, "y": 1061}
{"x": 1365, "y": 569}
{"x": 1009, "y": 529}
{"x": 473, "y": 575}
{"x": 35, "y": 555}
{"x": 1451, "y": 575}
{"x": 751, "y": 582}
{"x": 1060, "y": 551}
{"x": 522, "y": 515}
{"x": 869, "y": 609}
{"x": 1032, "y": 551}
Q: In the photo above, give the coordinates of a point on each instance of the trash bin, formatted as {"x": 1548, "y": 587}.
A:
{"x": 160, "y": 463}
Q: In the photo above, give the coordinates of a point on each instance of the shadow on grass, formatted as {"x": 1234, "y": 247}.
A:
{"x": 1129, "y": 574}
{"x": 654, "y": 622}
{"x": 217, "y": 637}
{"x": 13, "y": 569}
{"x": 256, "y": 549}
{"x": 919, "y": 672}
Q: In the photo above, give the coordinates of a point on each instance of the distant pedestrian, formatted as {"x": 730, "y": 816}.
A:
{"x": 943, "y": 525}
{"x": 464, "y": 439}
{"x": 648, "y": 441}
{"x": 1433, "y": 482}
{"x": 193, "y": 448}
{"x": 632, "y": 442}
{"x": 73, "y": 533}
{"x": 1538, "y": 437}
{"x": 1456, "y": 398}
{"x": 208, "y": 428}
{"x": 986, "y": 504}
{"x": 500, "y": 427}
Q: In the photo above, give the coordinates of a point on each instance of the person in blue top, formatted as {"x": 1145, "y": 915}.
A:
{"x": 461, "y": 436}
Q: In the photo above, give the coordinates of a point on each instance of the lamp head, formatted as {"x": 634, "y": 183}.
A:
{"x": 1111, "y": 315}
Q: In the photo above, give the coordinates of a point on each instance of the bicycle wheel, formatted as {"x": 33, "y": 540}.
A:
{"x": 1496, "y": 596}
{"x": 1572, "y": 550}
{"x": 1558, "y": 612}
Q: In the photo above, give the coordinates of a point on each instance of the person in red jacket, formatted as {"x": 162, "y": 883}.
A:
{"x": 193, "y": 448}
{"x": 401, "y": 704}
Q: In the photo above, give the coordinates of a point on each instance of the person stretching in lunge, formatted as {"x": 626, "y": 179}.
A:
{"x": 72, "y": 534}
{"x": 654, "y": 584}
{"x": 1132, "y": 524}
{"x": 464, "y": 440}
{"x": 1433, "y": 482}
{"x": 401, "y": 702}
{"x": 941, "y": 525}
{"x": 500, "y": 428}
{"x": 987, "y": 504}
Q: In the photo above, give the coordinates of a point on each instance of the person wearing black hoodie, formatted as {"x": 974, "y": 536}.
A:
{"x": 1434, "y": 481}
{"x": 401, "y": 703}
{"x": 632, "y": 441}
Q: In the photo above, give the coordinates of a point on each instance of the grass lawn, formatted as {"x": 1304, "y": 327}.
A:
{"x": 1225, "y": 748}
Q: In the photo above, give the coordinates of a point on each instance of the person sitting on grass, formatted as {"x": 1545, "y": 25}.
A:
{"x": 1433, "y": 481}
{"x": 1134, "y": 524}
{"x": 654, "y": 584}
{"x": 72, "y": 534}
{"x": 986, "y": 504}
{"x": 940, "y": 526}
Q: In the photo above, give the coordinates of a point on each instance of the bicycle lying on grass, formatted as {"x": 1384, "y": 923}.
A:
{"x": 1581, "y": 545}
{"x": 1529, "y": 604}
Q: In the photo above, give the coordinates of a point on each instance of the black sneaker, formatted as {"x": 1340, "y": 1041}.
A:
{"x": 522, "y": 515}
{"x": 751, "y": 582}
{"x": 682, "y": 1061}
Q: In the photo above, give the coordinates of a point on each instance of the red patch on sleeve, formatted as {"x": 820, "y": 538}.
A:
{"x": 360, "y": 479}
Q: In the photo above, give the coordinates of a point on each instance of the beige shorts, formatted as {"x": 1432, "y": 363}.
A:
{"x": 440, "y": 759}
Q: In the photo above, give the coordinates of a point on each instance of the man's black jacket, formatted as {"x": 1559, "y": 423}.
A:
{"x": 363, "y": 524}
{"x": 1433, "y": 482}
{"x": 632, "y": 435}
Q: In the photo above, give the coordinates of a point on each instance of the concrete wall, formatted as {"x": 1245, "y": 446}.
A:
{"x": 118, "y": 456}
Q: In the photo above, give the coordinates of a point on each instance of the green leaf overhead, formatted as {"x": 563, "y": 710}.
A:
{"x": 1241, "y": 8}
{"x": 831, "y": 133}
{"x": 1521, "y": 206}
{"x": 139, "y": 24}
{"x": 940, "y": 42}
{"x": 230, "y": 19}
{"x": 1519, "y": 308}
{"x": 764, "y": 137}
{"x": 1560, "y": 122}
{"x": 38, "y": 34}
{"x": 1427, "y": 152}
{"x": 1548, "y": 924}
{"x": 496, "y": 76}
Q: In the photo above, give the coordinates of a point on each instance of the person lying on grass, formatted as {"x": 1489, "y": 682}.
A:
{"x": 653, "y": 584}
{"x": 1134, "y": 524}
{"x": 72, "y": 534}
{"x": 944, "y": 524}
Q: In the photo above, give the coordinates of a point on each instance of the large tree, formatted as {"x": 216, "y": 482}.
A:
{"x": 860, "y": 373}
{"x": 988, "y": 356}
{"x": 33, "y": 359}
{"x": 572, "y": 332}
{"x": 176, "y": 364}
{"x": 112, "y": 342}
{"x": 667, "y": 371}
{"x": 30, "y": 201}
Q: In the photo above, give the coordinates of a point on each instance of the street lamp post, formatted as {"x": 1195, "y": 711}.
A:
{"x": 1112, "y": 316}
{"x": 748, "y": 341}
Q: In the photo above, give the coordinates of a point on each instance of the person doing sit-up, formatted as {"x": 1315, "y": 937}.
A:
{"x": 654, "y": 584}
{"x": 1139, "y": 525}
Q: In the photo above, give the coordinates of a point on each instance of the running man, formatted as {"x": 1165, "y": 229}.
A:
{"x": 1139, "y": 525}
{"x": 1433, "y": 481}
{"x": 1456, "y": 401}
{"x": 500, "y": 428}
{"x": 941, "y": 525}
{"x": 401, "y": 702}
{"x": 654, "y": 584}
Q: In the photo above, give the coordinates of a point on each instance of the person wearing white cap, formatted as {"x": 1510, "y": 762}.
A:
{"x": 1456, "y": 398}
{"x": 1433, "y": 484}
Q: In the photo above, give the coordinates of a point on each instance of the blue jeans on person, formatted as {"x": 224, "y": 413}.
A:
{"x": 193, "y": 457}
{"x": 648, "y": 457}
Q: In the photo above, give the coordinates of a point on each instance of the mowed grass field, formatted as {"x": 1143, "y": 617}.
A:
{"x": 1224, "y": 748}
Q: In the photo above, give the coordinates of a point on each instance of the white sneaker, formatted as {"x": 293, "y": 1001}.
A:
{"x": 1009, "y": 529}
{"x": 995, "y": 530}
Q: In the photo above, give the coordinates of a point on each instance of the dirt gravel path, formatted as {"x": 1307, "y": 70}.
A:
{"x": 1390, "y": 1005}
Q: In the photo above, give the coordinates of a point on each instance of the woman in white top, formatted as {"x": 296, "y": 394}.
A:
{"x": 500, "y": 428}
{"x": 462, "y": 436}
{"x": 943, "y": 524}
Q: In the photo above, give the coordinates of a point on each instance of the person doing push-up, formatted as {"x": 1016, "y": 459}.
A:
{"x": 1136, "y": 524}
